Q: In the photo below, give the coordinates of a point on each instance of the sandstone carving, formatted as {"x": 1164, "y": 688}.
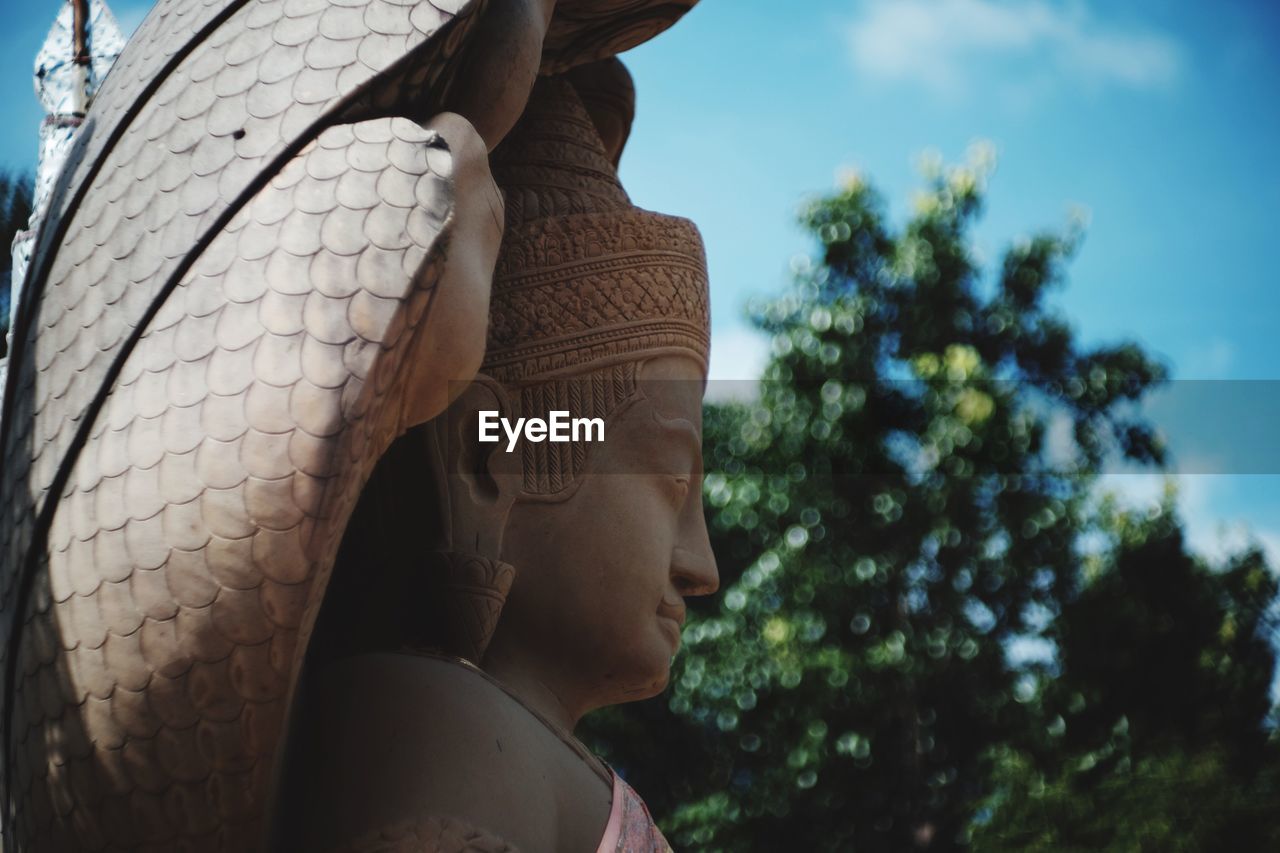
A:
{"x": 580, "y": 553}
{"x": 271, "y": 254}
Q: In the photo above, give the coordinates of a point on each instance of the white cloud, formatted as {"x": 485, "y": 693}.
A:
{"x": 1212, "y": 535}
{"x": 1209, "y": 532}
{"x": 1211, "y": 360}
{"x": 738, "y": 358}
{"x": 1061, "y": 451}
{"x": 944, "y": 44}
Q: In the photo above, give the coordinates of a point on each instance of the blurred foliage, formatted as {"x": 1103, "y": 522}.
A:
{"x": 892, "y": 518}
{"x": 15, "y": 210}
{"x": 1150, "y": 735}
{"x": 1174, "y": 800}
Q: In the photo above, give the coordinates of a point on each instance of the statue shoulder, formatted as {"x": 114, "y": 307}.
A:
{"x": 383, "y": 737}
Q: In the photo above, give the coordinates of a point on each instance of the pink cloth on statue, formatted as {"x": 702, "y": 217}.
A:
{"x": 630, "y": 829}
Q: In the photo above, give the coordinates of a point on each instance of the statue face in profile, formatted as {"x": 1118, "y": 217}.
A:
{"x": 598, "y": 602}
{"x": 599, "y": 309}
{"x": 473, "y": 626}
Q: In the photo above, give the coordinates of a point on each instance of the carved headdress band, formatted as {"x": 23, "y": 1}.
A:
{"x": 592, "y": 289}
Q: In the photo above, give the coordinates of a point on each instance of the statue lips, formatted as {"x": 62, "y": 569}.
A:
{"x": 674, "y": 612}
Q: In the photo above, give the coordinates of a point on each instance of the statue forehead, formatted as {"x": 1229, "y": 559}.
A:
{"x": 663, "y": 426}
{"x": 675, "y": 384}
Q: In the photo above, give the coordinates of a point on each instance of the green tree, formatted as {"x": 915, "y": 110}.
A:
{"x": 1154, "y": 732}
{"x": 15, "y": 210}
{"x": 889, "y": 518}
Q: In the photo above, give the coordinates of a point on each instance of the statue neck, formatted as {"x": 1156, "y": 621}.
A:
{"x": 558, "y": 703}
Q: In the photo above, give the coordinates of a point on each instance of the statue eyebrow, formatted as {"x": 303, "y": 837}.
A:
{"x": 684, "y": 430}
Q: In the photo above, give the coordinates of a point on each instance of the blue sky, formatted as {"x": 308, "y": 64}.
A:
{"x": 1158, "y": 118}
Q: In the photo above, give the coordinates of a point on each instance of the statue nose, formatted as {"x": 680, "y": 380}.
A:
{"x": 693, "y": 563}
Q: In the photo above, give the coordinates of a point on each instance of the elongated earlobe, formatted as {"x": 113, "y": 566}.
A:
{"x": 479, "y": 480}
{"x": 476, "y": 588}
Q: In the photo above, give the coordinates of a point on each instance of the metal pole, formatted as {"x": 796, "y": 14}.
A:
{"x": 81, "y": 55}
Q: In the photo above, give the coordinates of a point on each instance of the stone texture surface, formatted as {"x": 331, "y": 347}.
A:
{"x": 202, "y": 374}
{"x": 429, "y": 833}
{"x": 161, "y": 637}
{"x": 211, "y": 358}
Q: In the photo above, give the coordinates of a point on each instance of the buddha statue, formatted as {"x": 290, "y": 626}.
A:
{"x": 242, "y": 501}
{"x": 553, "y": 577}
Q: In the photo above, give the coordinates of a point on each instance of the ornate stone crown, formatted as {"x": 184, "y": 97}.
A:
{"x": 585, "y": 278}
{"x": 587, "y": 284}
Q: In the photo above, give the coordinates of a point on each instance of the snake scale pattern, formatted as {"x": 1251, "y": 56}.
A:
{"x": 235, "y": 266}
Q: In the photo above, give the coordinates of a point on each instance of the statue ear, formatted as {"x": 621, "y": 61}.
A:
{"x": 483, "y": 478}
